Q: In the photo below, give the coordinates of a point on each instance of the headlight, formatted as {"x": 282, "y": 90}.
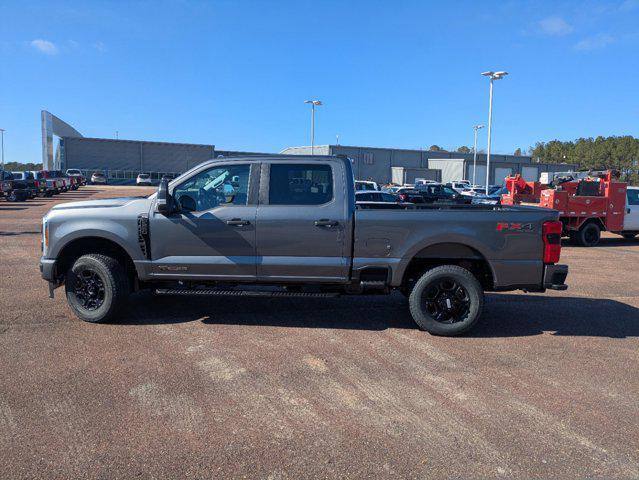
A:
{"x": 45, "y": 236}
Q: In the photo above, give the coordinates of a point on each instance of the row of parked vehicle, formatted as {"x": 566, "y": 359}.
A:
{"x": 21, "y": 186}
{"x": 369, "y": 194}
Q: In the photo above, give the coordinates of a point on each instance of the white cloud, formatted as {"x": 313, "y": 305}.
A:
{"x": 44, "y": 46}
{"x": 100, "y": 47}
{"x": 555, "y": 26}
{"x": 593, "y": 43}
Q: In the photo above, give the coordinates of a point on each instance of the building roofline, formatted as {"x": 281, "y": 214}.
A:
{"x": 120, "y": 140}
{"x": 408, "y": 150}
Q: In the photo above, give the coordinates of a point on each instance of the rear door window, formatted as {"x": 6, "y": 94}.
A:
{"x": 300, "y": 184}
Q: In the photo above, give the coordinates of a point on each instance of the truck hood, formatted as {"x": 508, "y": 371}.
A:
{"x": 105, "y": 203}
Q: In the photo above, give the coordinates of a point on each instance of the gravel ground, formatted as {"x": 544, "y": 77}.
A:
{"x": 546, "y": 387}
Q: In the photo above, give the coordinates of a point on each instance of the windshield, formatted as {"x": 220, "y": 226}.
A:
{"x": 144, "y": 175}
{"x": 73, "y": 171}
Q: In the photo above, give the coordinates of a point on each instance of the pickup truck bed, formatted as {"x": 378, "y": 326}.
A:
{"x": 291, "y": 222}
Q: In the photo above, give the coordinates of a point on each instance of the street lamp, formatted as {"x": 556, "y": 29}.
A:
{"x": 475, "y": 128}
{"x": 2, "y": 130}
{"x": 492, "y": 76}
{"x": 314, "y": 103}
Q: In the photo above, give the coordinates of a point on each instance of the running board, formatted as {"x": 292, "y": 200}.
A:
{"x": 239, "y": 293}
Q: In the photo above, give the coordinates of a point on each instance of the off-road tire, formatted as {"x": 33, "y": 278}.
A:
{"x": 115, "y": 285}
{"x": 462, "y": 277}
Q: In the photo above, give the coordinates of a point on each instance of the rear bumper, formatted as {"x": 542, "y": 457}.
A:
{"x": 555, "y": 277}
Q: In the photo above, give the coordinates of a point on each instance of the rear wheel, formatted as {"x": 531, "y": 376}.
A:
{"x": 447, "y": 300}
{"x": 96, "y": 286}
{"x": 588, "y": 235}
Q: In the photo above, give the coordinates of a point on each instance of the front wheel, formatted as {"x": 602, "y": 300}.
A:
{"x": 447, "y": 300}
{"x": 96, "y": 286}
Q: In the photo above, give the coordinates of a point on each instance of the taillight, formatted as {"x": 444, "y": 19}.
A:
{"x": 552, "y": 241}
{"x": 402, "y": 197}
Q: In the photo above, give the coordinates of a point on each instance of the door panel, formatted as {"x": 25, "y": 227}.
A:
{"x": 631, "y": 218}
{"x": 213, "y": 236}
{"x": 307, "y": 241}
{"x": 202, "y": 244}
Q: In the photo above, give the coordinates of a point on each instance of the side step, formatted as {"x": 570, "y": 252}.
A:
{"x": 210, "y": 292}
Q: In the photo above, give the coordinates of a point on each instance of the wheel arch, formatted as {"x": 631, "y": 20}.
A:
{"x": 77, "y": 247}
{"x": 449, "y": 253}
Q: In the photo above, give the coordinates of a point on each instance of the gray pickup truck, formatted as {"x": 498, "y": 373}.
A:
{"x": 289, "y": 226}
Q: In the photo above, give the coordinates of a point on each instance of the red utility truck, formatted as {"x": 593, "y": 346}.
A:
{"x": 588, "y": 203}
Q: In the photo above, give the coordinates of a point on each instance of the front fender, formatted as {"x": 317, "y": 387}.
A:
{"x": 123, "y": 235}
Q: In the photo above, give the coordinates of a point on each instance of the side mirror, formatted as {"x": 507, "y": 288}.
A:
{"x": 164, "y": 199}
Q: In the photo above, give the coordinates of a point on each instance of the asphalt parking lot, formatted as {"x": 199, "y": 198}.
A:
{"x": 547, "y": 386}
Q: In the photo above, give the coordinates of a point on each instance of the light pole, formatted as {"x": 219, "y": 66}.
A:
{"x": 475, "y": 128}
{"x": 313, "y": 103}
{"x": 492, "y": 76}
{"x": 2, "y": 142}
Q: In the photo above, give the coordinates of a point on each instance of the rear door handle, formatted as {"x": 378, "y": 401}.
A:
{"x": 238, "y": 222}
{"x": 325, "y": 222}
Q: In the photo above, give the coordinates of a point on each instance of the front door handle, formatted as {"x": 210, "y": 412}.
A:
{"x": 325, "y": 222}
{"x": 238, "y": 222}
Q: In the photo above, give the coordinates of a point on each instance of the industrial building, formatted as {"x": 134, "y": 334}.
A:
{"x": 122, "y": 160}
{"x": 385, "y": 165}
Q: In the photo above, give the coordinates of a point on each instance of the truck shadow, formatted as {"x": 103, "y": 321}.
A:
{"x": 505, "y": 315}
{"x": 508, "y": 315}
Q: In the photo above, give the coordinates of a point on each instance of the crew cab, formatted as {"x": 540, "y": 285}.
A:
{"x": 290, "y": 225}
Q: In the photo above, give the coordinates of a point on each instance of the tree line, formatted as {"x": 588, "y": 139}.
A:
{"x": 619, "y": 153}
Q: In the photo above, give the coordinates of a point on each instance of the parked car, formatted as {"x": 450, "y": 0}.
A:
{"x": 493, "y": 198}
{"x": 410, "y": 195}
{"x": 361, "y": 185}
{"x": 27, "y": 181}
{"x": 53, "y": 184}
{"x": 459, "y": 185}
{"x": 194, "y": 238}
{"x": 77, "y": 174}
{"x": 72, "y": 182}
{"x": 437, "y": 193}
{"x": 10, "y": 190}
{"x": 98, "y": 178}
{"x": 143, "y": 179}
{"x": 372, "y": 199}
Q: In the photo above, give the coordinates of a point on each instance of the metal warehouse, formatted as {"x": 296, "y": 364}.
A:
{"x": 122, "y": 160}
{"x": 384, "y": 165}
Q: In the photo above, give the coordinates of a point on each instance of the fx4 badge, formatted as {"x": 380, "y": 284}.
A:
{"x": 514, "y": 227}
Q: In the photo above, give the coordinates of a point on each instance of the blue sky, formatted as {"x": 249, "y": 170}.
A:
{"x": 236, "y": 74}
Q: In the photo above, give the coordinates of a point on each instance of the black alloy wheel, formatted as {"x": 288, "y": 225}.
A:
{"x": 446, "y": 300}
{"x": 89, "y": 289}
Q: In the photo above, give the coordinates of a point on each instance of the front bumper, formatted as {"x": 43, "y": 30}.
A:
{"x": 47, "y": 269}
{"x": 555, "y": 277}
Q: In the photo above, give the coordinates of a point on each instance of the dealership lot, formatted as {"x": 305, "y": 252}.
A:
{"x": 546, "y": 386}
